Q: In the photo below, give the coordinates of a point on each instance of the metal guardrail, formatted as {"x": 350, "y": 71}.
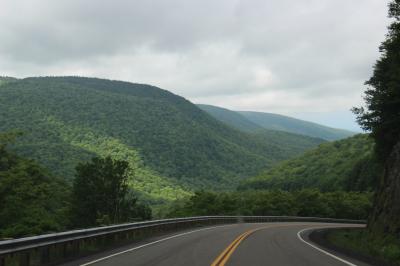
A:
{"x": 51, "y": 249}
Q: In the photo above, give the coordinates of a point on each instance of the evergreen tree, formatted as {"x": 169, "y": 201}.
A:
{"x": 382, "y": 117}
{"x": 382, "y": 113}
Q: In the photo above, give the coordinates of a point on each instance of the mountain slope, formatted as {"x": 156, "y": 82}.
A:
{"x": 231, "y": 118}
{"x": 341, "y": 165}
{"x": 173, "y": 145}
{"x": 297, "y": 126}
{"x": 285, "y": 140}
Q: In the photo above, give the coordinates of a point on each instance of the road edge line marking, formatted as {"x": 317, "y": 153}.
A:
{"x": 152, "y": 243}
{"x": 319, "y": 249}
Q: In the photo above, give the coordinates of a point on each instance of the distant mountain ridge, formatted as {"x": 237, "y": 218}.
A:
{"x": 255, "y": 121}
{"x": 297, "y": 126}
{"x": 172, "y": 145}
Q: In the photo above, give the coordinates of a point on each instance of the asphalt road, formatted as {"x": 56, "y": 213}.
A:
{"x": 238, "y": 244}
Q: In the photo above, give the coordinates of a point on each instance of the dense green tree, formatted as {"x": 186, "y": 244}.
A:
{"x": 382, "y": 98}
{"x": 312, "y": 204}
{"x": 101, "y": 195}
{"x": 364, "y": 175}
{"x": 31, "y": 200}
{"x": 306, "y": 202}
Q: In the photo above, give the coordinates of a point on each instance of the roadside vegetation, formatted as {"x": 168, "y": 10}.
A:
{"x": 101, "y": 195}
{"x": 33, "y": 201}
{"x": 306, "y": 202}
{"x": 385, "y": 248}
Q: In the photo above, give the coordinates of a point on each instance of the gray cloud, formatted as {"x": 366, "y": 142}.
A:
{"x": 277, "y": 55}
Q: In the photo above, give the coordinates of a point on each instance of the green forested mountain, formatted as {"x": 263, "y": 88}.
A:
{"x": 258, "y": 121}
{"x": 346, "y": 164}
{"x": 297, "y": 126}
{"x": 172, "y": 145}
{"x": 231, "y": 118}
{"x": 284, "y": 140}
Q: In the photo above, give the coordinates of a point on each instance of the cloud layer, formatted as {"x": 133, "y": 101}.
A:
{"x": 280, "y": 56}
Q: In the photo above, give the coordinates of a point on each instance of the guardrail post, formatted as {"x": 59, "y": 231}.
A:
{"x": 75, "y": 247}
{"x": 64, "y": 250}
{"x": 45, "y": 255}
{"x": 24, "y": 259}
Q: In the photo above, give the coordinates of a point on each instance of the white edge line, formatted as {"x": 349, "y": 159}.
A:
{"x": 321, "y": 250}
{"x": 151, "y": 243}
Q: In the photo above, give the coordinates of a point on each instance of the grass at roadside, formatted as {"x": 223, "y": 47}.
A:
{"x": 361, "y": 241}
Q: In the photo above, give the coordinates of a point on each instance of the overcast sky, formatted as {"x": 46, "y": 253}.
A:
{"x": 304, "y": 58}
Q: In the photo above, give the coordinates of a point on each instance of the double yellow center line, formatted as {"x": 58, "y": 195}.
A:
{"x": 227, "y": 253}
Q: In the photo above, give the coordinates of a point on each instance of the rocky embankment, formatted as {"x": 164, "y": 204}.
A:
{"x": 386, "y": 214}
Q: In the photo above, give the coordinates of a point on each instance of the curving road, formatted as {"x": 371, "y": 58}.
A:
{"x": 238, "y": 244}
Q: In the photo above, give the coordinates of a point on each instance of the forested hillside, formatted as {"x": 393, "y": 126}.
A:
{"x": 231, "y": 118}
{"x": 174, "y": 145}
{"x": 285, "y": 140}
{"x": 258, "y": 121}
{"x": 346, "y": 164}
{"x": 32, "y": 201}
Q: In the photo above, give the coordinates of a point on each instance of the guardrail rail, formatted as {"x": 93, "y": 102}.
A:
{"x": 52, "y": 249}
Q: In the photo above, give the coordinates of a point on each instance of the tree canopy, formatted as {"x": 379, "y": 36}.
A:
{"x": 306, "y": 202}
{"x": 382, "y": 98}
{"x": 32, "y": 201}
{"x": 100, "y": 194}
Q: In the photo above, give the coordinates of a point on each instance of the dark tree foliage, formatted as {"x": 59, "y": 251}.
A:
{"x": 31, "y": 200}
{"x": 365, "y": 174}
{"x": 101, "y": 194}
{"x": 306, "y": 202}
{"x": 382, "y": 98}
